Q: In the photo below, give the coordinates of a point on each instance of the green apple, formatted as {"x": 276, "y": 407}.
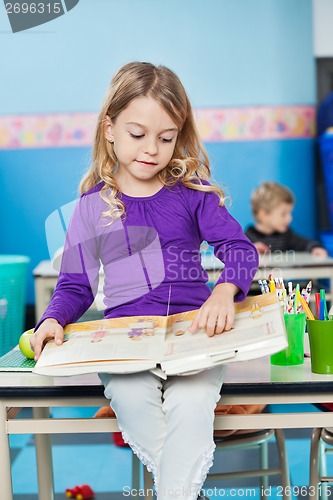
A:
{"x": 24, "y": 344}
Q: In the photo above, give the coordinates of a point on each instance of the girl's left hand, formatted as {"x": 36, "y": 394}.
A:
{"x": 218, "y": 312}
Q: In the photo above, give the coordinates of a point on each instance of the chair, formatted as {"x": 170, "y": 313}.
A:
{"x": 243, "y": 440}
{"x": 256, "y": 440}
{"x": 249, "y": 440}
{"x": 318, "y": 466}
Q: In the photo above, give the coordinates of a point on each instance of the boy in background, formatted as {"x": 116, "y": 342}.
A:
{"x": 272, "y": 206}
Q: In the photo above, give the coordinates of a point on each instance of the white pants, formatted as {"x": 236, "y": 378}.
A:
{"x": 169, "y": 425}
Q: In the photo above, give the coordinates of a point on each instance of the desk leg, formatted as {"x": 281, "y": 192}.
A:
{"x": 148, "y": 483}
{"x": 6, "y": 476}
{"x": 44, "y": 459}
{"x": 314, "y": 463}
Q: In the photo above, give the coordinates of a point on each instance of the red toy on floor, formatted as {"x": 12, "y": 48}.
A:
{"x": 83, "y": 492}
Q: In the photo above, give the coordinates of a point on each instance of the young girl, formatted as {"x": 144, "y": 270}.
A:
{"x": 145, "y": 208}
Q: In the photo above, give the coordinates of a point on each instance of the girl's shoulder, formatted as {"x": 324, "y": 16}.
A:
{"x": 90, "y": 204}
{"x": 196, "y": 199}
{"x": 95, "y": 189}
{"x": 195, "y": 195}
{"x": 92, "y": 199}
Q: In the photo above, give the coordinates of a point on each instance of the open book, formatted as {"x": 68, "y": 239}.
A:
{"x": 163, "y": 343}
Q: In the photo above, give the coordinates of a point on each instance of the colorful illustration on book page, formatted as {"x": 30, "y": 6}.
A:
{"x": 142, "y": 328}
{"x": 256, "y": 311}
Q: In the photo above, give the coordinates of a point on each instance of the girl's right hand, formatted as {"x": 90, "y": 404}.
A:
{"x": 49, "y": 329}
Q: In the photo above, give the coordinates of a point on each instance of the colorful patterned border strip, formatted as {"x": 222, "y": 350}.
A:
{"x": 256, "y": 123}
{"x": 47, "y": 131}
{"x": 215, "y": 125}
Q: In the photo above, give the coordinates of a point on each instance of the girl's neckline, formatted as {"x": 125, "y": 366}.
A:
{"x": 144, "y": 198}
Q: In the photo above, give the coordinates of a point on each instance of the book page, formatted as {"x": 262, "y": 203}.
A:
{"x": 258, "y": 320}
{"x": 104, "y": 340}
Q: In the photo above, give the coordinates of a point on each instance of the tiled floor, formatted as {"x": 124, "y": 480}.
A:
{"x": 93, "y": 459}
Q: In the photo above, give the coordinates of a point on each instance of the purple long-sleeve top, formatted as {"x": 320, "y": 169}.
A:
{"x": 151, "y": 257}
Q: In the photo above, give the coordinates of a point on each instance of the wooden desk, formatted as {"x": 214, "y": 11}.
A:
{"x": 296, "y": 266}
{"x": 289, "y": 265}
{"x": 255, "y": 381}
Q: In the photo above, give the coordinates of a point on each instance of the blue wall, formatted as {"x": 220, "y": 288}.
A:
{"x": 33, "y": 184}
{"x": 256, "y": 162}
{"x": 227, "y": 53}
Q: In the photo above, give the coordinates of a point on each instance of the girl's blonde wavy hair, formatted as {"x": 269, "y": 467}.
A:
{"x": 189, "y": 163}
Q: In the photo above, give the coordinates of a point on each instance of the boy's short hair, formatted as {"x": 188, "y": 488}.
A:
{"x": 269, "y": 195}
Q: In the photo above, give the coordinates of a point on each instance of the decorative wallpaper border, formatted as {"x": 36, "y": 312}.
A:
{"x": 47, "y": 131}
{"x": 256, "y": 123}
{"x": 214, "y": 124}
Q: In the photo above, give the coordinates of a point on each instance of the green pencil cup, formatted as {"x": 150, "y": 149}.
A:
{"x": 321, "y": 346}
{"x": 294, "y": 353}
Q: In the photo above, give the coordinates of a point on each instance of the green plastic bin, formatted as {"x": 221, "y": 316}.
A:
{"x": 13, "y": 285}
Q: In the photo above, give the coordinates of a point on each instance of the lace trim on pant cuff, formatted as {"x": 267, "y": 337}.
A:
{"x": 142, "y": 456}
{"x": 207, "y": 462}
